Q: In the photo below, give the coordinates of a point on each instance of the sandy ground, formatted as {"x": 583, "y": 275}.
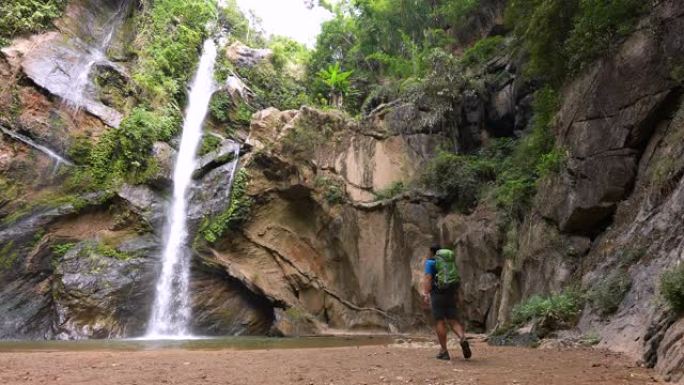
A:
{"x": 350, "y": 365}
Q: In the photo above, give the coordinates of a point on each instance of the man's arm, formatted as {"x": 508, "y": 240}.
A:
{"x": 427, "y": 287}
{"x": 427, "y": 284}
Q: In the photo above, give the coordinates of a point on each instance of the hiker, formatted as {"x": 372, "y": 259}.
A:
{"x": 439, "y": 289}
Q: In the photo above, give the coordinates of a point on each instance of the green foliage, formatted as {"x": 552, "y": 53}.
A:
{"x": 552, "y": 162}
{"x": 237, "y": 212}
{"x": 336, "y": 82}
{"x": 302, "y": 141}
{"x": 391, "y": 191}
{"x": 333, "y": 192}
{"x": 629, "y": 256}
{"x": 111, "y": 252}
{"x": 596, "y": 27}
{"x": 220, "y": 106}
{"x": 81, "y": 150}
{"x": 26, "y": 16}
{"x": 9, "y": 190}
{"x": 124, "y": 153}
{"x": 533, "y": 157}
{"x": 171, "y": 32}
{"x": 279, "y": 89}
{"x": 8, "y": 255}
{"x": 607, "y": 295}
{"x": 463, "y": 179}
{"x": 562, "y": 307}
{"x": 209, "y": 143}
{"x": 563, "y": 36}
{"x": 677, "y": 73}
{"x": 384, "y": 41}
{"x": 234, "y": 114}
{"x": 236, "y": 22}
{"x": 672, "y": 288}
{"x": 62, "y": 248}
{"x": 483, "y": 51}
{"x": 288, "y": 55}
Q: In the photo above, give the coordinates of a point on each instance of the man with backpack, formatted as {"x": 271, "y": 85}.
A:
{"x": 439, "y": 289}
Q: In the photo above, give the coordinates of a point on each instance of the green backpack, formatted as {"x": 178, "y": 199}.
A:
{"x": 447, "y": 271}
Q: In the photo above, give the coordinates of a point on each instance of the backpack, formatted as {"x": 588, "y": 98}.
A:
{"x": 447, "y": 271}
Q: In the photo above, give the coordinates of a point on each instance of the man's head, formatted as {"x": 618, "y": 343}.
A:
{"x": 434, "y": 249}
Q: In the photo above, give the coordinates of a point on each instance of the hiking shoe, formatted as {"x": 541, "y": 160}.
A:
{"x": 443, "y": 356}
{"x": 465, "y": 347}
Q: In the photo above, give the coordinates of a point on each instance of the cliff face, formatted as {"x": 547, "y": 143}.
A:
{"x": 332, "y": 239}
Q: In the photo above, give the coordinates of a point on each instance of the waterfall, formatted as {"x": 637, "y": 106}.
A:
{"x": 171, "y": 309}
{"x": 77, "y": 95}
{"x": 53, "y": 155}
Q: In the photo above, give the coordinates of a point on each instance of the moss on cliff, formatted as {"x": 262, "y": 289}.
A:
{"x": 237, "y": 212}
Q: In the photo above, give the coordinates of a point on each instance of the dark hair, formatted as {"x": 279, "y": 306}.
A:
{"x": 435, "y": 248}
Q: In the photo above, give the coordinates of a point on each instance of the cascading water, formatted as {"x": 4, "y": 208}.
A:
{"x": 53, "y": 155}
{"x": 77, "y": 94}
{"x": 171, "y": 309}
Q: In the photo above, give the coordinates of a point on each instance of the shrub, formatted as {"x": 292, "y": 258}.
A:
{"x": 597, "y": 26}
{"x": 273, "y": 88}
{"x": 390, "y": 191}
{"x": 562, "y": 307}
{"x": 552, "y": 162}
{"x": 672, "y": 288}
{"x": 482, "y": 51}
{"x": 24, "y": 16}
{"x": 8, "y": 255}
{"x": 607, "y": 295}
{"x": 237, "y": 212}
{"x": 171, "y": 32}
{"x": 459, "y": 178}
{"x": 333, "y": 192}
{"x": 533, "y": 156}
{"x": 209, "y": 143}
{"x": 563, "y": 36}
{"x": 61, "y": 249}
{"x": 125, "y": 152}
{"x": 220, "y": 106}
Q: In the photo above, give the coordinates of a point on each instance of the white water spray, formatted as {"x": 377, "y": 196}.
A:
{"x": 77, "y": 93}
{"x": 171, "y": 309}
{"x": 53, "y": 155}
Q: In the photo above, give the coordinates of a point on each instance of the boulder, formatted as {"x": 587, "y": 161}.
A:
{"x": 244, "y": 56}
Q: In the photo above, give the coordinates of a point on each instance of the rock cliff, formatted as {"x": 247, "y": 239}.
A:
{"x": 338, "y": 226}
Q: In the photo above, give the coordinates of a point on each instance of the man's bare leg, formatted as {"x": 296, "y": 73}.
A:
{"x": 457, "y": 328}
{"x": 460, "y": 333}
{"x": 441, "y": 329}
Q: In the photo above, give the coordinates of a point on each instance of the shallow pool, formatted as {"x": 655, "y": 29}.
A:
{"x": 197, "y": 343}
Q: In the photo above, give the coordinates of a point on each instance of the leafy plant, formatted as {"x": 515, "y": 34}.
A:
{"x": 337, "y": 82}
{"x": 237, "y": 212}
{"x": 171, "y": 32}
{"x": 563, "y": 36}
{"x": 390, "y": 191}
{"x": 333, "y": 192}
{"x": 672, "y": 288}
{"x": 25, "y": 16}
{"x": 124, "y": 153}
{"x": 561, "y": 307}
{"x": 482, "y": 51}
{"x": 607, "y": 295}
{"x": 62, "y": 248}
{"x": 209, "y": 143}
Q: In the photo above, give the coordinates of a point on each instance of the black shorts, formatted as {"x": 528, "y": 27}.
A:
{"x": 444, "y": 303}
